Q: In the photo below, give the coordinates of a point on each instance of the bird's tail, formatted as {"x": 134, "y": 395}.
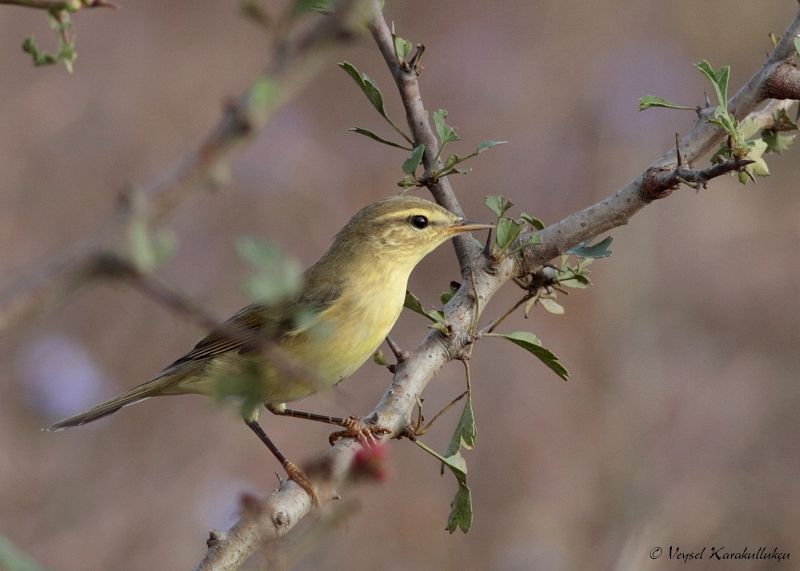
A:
{"x": 136, "y": 394}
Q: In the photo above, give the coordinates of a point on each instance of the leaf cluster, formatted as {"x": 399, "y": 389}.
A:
{"x": 743, "y": 141}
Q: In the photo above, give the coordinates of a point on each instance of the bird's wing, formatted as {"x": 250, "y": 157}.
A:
{"x": 246, "y": 327}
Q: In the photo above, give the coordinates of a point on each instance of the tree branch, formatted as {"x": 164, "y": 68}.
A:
{"x": 277, "y": 514}
{"x": 294, "y": 61}
{"x": 407, "y": 80}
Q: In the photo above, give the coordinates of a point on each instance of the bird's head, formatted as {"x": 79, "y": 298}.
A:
{"x": 402, "y": 228}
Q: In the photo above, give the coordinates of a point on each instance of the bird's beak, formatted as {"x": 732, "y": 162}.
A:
{"x": 466, "y": 226}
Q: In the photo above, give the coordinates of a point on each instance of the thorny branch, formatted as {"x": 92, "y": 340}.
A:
{"x": 277, "y": 514}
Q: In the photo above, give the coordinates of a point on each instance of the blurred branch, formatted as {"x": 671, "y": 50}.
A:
{"x": 69, "y": 6}
{"x": 276, "y": 515}
{"x": 111, "y": 266}
{"x": 294, "y": 61}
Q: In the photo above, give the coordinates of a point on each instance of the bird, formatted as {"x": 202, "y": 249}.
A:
{"x": 347, "y": 304}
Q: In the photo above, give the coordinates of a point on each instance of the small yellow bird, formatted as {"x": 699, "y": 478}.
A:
{"x": 348, "y": 303}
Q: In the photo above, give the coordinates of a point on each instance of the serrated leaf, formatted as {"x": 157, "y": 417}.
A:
{"x": 778, "y": 142}
{"x": 412, "y": 162}
{"x": 374, "y": 137}
{"x": 444, "y": 131}
{"x": 498, "y": 204}
{"x": 367, "y": 86}
{"x": 718, "y": 78}
{"x": 461, "y": 507}
{"x": 531, "y": 343}
{"x": 506, "y": 232}
{"x": 276, "y": 276}
{"x": 598, "y": 250}
{"x": 756, "y": 153}
{"x": 402, "y": 48}
{"x": 486, "y": 145}
{"x": 552, "y": 306}
{"x": 532, "y": 220}
{"x": 649, "y": 101}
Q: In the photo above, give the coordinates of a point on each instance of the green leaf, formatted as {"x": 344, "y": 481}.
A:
{"x": 452, "y": 160}
{"x": 498, "y": 204}
{"x": 379, "y": 359}
{"x": 276, "y": 276}
{"x": 461, "y": 507}
{"x": 413, "y": 303}
{"x": 374, "y": 137}
{"x": 506, "y": 232}
{"x": 649, "y": 101}
{"x": 367, "y": 86}
{"x": 532, "y": 220}
{"x": 783, "y": 121}
{"x": 444, "y": 131}
{"x": 460, "y": 510}
{"x": 408, "y": 181}
{"x": 718, "y": 78}
{"x": 300, "y": 7}
{"x": 39, "y": 58}
{"x": 411, "y": 163}
{"x": 726, "y": 122}
{"x": 759, "y": 167}
{"x": 598, "y": 250}
{"x": 448, "y": 295}
{"x": 402, "y": 48}
{"x": 778, "y": 142}
{"x": 465, "y": 431}
{"x": 486, "y": 145}
{"x": 531, "y": 343}
{"x": 13, "y": 559}
{"x": 551, "y": 306}
{"x": 797, "y": 44}
{"x": 264, "y": 92}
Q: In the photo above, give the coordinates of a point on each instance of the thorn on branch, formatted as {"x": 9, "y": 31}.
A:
{"x": 659, "y": 182}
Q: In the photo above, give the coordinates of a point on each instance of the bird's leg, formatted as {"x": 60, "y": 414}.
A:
{"x": 292, "y": 470}
{"x": 354, "y": 427}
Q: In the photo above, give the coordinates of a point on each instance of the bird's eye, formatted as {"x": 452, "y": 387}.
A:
{"x": 419, "y": 221}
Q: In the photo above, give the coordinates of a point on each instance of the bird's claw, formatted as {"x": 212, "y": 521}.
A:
{"x": 299, "y": 477}
{"x": 354, "y": 427}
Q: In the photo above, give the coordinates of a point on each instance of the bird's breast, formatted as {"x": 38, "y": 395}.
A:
{"x": 346, "y": 334}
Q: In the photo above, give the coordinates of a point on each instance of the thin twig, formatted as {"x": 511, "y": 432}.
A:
{"x": 443, "y": 410}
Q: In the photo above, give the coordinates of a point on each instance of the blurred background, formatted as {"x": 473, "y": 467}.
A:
{"x": 679, "y": 423}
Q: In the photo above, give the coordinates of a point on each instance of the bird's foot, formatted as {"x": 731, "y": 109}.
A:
{"x": 355, "y": 427}
{"x": 299, "y": 477}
